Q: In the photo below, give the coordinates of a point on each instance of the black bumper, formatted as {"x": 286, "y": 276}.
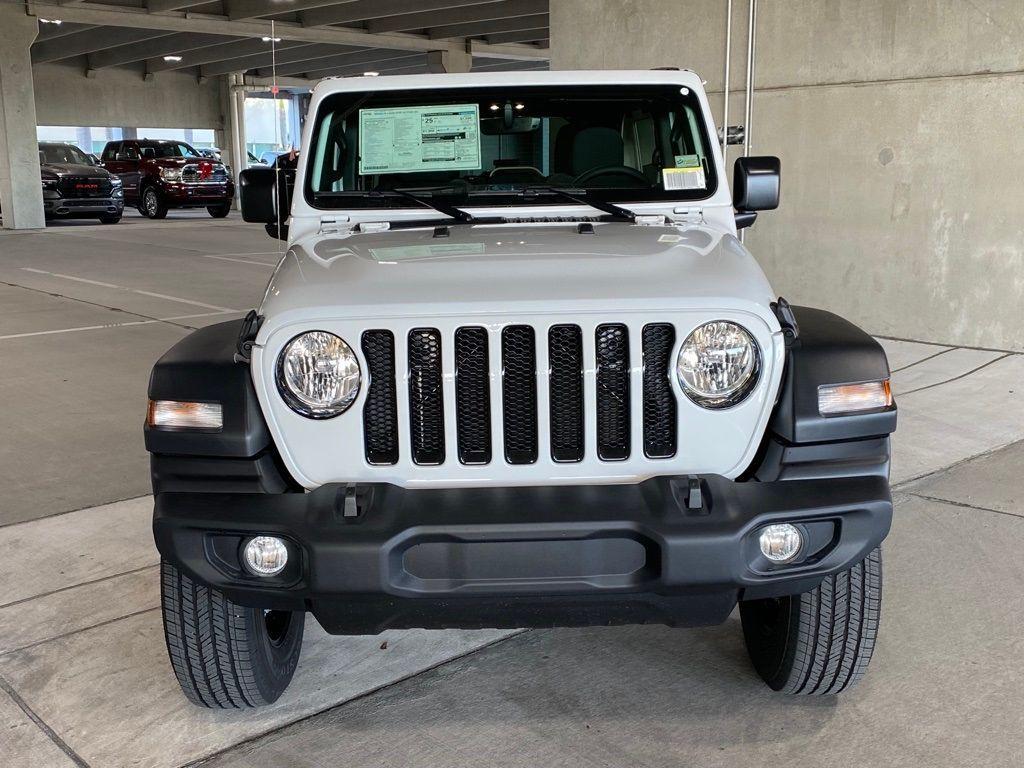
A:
{"x": 368, "y": 558}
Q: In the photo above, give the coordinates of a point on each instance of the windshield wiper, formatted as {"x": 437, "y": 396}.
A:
{"x": 458, "y": 215}
{"x": 582, "y": 197}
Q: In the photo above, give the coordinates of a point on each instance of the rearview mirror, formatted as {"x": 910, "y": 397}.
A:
{"x": 755, "y": 187}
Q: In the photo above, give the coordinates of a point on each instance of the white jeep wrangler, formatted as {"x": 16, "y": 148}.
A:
{"x": 516, "y": 370}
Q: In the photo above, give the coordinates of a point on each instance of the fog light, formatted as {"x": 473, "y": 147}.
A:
{"x": 780, "y": 543}
{"x": 266, "y": 555}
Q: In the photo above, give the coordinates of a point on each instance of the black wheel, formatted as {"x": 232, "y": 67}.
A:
{"x": 110, "y": 218}
{"x": 819, "y": 642}
{"x": 152, "y": 206}
{"x": 219, "y": 211}
{"x": 226, "y": 656}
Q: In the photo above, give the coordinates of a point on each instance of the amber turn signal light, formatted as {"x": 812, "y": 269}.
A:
{"x": 840, "y": 399}
{"x": 175, "y": 414}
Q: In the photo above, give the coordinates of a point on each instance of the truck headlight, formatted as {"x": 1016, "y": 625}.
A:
{"x": 718, "y": 364}
{"x": 170, "y": 174}
{"x": 318, "y": 375}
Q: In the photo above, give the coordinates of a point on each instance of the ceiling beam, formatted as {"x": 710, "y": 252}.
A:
{"x": 252, "y": 9}
{"x": 89, "y": 41}
{"x": 175, "y": 43}
{"x": 125, "y": 16}
{"x": 303, "y": 53}
{"x": 416, "y": 62}
{"x": 212, "y": 54}
{"x": 363, "y": 61}
{"x": 53, "y": 31}
{"x": 364, "y": 10}
{"x": 483, "y": 12}
{"x": 484, "y": 28}
{"x": 522, "y": 36}
{"x": 162, "y": 6}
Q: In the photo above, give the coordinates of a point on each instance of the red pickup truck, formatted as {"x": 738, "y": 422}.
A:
{"x": 160, "y": 174}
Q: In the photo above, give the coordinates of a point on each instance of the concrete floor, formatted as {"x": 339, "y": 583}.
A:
{"x": 84, "y": 680}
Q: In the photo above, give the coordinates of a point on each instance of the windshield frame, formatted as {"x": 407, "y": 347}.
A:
{"x": 357, "y": 200}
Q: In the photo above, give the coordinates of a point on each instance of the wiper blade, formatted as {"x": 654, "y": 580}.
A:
{"x": 460, "y": 216}
{"x": 583, "y": 197}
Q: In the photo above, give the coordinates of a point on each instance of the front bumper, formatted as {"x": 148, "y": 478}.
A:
{"x": 85, "y": 206}
{"x": 184, "y": 195}
{"x": 371, "y": 557}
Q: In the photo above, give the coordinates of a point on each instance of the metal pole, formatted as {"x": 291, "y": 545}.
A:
{"x": 728, "y": 61}
{"x": 751, "y": 29}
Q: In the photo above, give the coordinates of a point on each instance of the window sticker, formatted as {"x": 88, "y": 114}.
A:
{"x": 688, "y": 161}
{"x": 674, "y": 179}
{"x": 411, "y": 139}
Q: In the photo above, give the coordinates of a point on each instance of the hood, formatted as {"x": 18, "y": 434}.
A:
{"x": 72, "y": 169}
{"x": 493, "y": 269}
{"x": 178, "y": 162}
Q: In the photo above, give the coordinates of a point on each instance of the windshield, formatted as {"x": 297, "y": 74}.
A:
{"x": 168, "y": 149}
{"x": 612, "y": 143}
{"x": 62, "y": 153}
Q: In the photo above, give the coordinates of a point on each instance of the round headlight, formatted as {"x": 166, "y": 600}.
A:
{"x": 318, "y": 375}
{"x": 718, "y": 364}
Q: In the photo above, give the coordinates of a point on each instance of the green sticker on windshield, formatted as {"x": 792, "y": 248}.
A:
{"x": 688, "y": 161}
{"x": 412, "y": 139}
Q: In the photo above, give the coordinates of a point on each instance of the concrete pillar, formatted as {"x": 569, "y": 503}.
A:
{"x": 454, "y": 58}
{"x": 21, "y": 194}
{"x": 234, "y": 95}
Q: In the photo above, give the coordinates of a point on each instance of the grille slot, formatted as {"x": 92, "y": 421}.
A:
{"x": 519, "y": 393}
{"x": 426, "y": 396}
{"x": 84, "y": 186}
{"x": 613, "y": 422}
{"x": 565, "y": 356}
{"x": 380, "y": 412}
{"x": 473, "y": 395}
{"x": 659, "y": 400}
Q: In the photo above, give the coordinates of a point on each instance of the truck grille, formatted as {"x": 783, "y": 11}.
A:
{"x": 518, "y": 372}
{"x": 204, "y": 173}
{"x": 84, "y": 186}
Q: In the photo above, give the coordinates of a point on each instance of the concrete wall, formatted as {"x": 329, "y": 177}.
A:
{"x": 899, "y": 128}
{"x": 121, "y": 97}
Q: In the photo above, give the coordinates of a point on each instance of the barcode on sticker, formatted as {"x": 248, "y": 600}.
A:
{"x": 683, "y": 178}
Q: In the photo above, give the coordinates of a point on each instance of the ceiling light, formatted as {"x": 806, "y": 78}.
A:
{"x": 268, "y": 39}
{"x": 172, "y": 59}
{"x": 370, "y": 74}
{"x": 520, "y": 105}
{"x": 58, "y": 22}
{"x": 495, "y": 107}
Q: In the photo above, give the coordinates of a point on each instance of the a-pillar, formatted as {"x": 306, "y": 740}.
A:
{"x": 21, "y": 194}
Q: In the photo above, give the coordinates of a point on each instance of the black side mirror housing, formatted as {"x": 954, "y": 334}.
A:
{"x": 755, "y": 187}
{"x": 256, "y": 189}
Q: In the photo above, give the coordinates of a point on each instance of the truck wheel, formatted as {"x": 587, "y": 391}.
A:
{"x": 819, "y": 642}
{"x": 226, "y": 656}
{"x": 110, "y": 218}
{"x": 152, "y": 206}
{"x": 219, "y": 211}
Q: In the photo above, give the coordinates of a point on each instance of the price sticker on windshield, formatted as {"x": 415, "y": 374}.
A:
{"x": 416, "y": 139}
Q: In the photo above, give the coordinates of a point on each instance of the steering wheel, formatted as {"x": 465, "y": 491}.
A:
{"x": 611, "y": 170}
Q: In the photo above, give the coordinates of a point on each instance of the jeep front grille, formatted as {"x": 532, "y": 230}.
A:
{"x": 515, "y": 365}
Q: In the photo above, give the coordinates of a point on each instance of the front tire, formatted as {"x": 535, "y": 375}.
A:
{"x": 819, "y": 642}
{"x": 226, "y": 656}
{"x": 219, "y": 211}
{"x": 152, "y": 206}
{"x": 110, "y": 218}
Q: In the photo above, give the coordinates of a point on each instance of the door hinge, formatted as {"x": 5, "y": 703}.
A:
{"x": 688, "y": 215}
{"x": 330, "y": 224}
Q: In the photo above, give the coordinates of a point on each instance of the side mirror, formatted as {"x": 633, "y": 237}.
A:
{"x": 755, "y": 187}
{"x": 256, "y": 189}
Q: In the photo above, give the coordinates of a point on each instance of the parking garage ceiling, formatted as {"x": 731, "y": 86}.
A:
{"x": 311, "y": 39}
